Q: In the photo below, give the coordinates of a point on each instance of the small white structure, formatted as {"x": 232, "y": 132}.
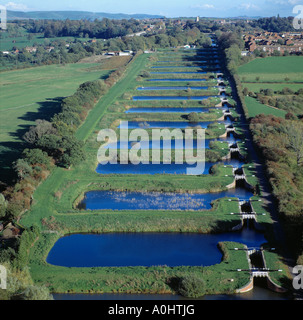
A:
{"x": 124, "y": 54}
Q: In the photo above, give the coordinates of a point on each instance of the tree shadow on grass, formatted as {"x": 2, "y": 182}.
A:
{"x": 46, "y": 110}
{"x": 10, "y": 151}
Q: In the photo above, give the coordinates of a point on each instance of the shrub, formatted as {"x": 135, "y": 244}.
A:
{"x": 193, "y": 117}
{"x": 145, "y": 74}
{"x": 35, "y": 293}
{"x": 191, "y": 286}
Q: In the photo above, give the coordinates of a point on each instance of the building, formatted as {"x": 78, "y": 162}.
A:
{"x": 245, "y": 53}
{"x": 31, "y": 49}
{"x": 270, "y": 42}
{"x": 252, "y": 46}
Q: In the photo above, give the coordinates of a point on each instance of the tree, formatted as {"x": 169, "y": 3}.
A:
{"x": 3, "y": 206}
{"x": 295, "y": 138}
{"x": 245, "y": 91}
{"x": 36, "y": 156}
{"x": 269, "y": 92}
{"x": 276, "y": 53}
{"x": 22, "y": 168}
{"x": 50, "y": 143}
{"x": 193, "y": 117}
{"x": 42, "y": 128}
{"x": 73, "y": 151}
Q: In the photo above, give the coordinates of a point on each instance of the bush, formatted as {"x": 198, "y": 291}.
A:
{"x": 36, "y": 156}
{"x": 145, "y": 74}
{"x": 192, "y": 286}
{"x": 35, "y": 293}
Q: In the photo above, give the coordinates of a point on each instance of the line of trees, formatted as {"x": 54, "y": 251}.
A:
{"x": 280, "y": 143}
{"x": 274, "y": 24}
{"x": 101, "y": 29}
{"x": 50, "y": 144}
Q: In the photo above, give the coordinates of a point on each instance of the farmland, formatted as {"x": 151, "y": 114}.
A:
{"x": 35, "y": 93}
{"x": 272, "y": 84}
{"x": 255, "y": 107}
{"x": 273, "y": 70}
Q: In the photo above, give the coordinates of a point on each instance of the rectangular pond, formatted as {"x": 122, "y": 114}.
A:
{"x": 122, "y": 200}
{"x": 145, "y": 249}
{"x": 171, "y": 110}
{"x": 165, "y": 144}
{"x": 178, "y": 80}
{"x": 172, "y": 88}
{"x": 161, "y": 168}
{"x": 160, "y": 67}
{"x": 193, "y": 60}
{"x": 150, "y": 98}
{"x": 179, "y": 72}
{"x": 169, "y": 124}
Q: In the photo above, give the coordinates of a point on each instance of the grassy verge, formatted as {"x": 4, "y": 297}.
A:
{"x": 157, "y": 279}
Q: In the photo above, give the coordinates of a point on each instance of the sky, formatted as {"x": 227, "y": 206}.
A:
{"x": 168, "y": 8}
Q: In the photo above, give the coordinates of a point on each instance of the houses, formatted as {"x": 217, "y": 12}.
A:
{"x": 251, "y": 46}
{"x": 270, "y": 42}
{"x": 30, "y": 49}
{"x": 119, "y": 53}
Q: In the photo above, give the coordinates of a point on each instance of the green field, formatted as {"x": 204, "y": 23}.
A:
{"x": 273, "y": 69}
{"x": 256, "y": 87}
{"x": 255, "y": 107}
{"x": 21, "y": 41}
{"x": 35, "y": 93}
{"x": 273, "y": 73}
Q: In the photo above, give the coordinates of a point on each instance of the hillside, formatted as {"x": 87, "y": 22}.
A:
{"x": 75, "y": 15}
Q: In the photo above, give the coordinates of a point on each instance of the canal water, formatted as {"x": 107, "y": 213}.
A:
{"x": 172, "y": 88}
{"x": 178, "y": 80}
{"x": 129, "y": 249}
{"x": 166, "y": 144}
{"x": 113, "y": 200}
{"x": 170, "y": 124}
{"x": 181, "y": 67}
{"x": 147, "y": 98}
{"x": 179, "y": 72}
{"x": 162, "y": 168}
{"x": 167, "y": 109}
